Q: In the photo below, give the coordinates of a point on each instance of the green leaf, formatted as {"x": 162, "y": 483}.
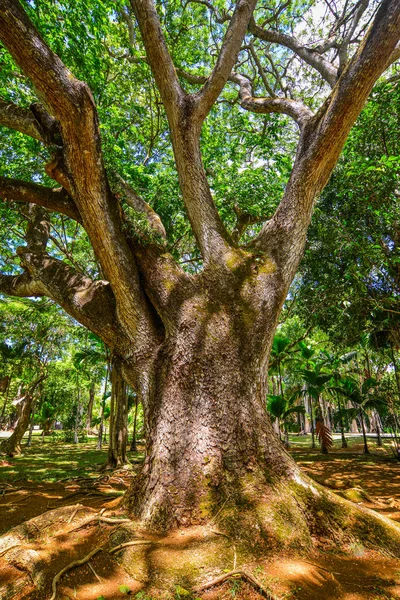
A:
{"x": 124, "y": 589}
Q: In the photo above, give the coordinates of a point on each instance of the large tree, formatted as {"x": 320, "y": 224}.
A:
{"x": 194, "y": 344}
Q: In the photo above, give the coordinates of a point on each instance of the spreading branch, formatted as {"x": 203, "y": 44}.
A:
{"x": 90, "y": 302}
{"x": 313, "y": 59}
{"x": 158, "y": 55}
{"x": 53, "y": 199}
{"x": 139, "y": 205}
{"x": 294, "y": 108}
{"x": 72, "y": 104}
{"x": 227, "y": 56}
{"x": 323, "y": 139}
{"x": 19, "y": 119}
{"x": 22, "y": 286}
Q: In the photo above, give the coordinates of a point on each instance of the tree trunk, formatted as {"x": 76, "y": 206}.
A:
{"x": 48, "y": 426}
{"x": 12, "y": 445}
{"x": 354, "y": 425}
{"x": 310, "y": 399}
{"x": 31, "y": 425}
{"x": 78, "y": 417}
{"x": 5, "y": 392}
{"x": 209, "y": 438}
{"x": 133, "y": 446}
{"x": 344, "y": 441}
{"x": 376, "y": 427}
{"x": 118, "y": 419}
{"x": 103, "y": 405}
{"x": 366, "y": 449}
{"x": 90, "y": 408}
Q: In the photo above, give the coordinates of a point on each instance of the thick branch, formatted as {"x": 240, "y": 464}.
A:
{"x": 294, "y": 108}
{"x": 343, "y": 49}
{"x": 395, "y": 56}
{"x": 55, "y": 199}
{"x": 227, "y": 56}
{"x": 19, "y": 119}
{"x": 22, "y": 286}
{"x": 158, "y": 54}
{"x": 323, "y": 139}
{"x": 52, "y": 79}
{"x": 315, "y": 60}
{"x": 72, "y": 104}
{"x": 89, "y": 302}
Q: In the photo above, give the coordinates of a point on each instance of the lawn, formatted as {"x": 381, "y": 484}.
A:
{"x": 49, "y": 460}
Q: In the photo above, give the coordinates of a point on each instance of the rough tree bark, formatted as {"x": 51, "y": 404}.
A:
{"x": 195, "y": 348}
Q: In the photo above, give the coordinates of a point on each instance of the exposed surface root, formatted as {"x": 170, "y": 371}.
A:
{"x": 75, "y": 563}
{"x": 243, "y": 575}
{"x": 127, "y": 544}
{"x": 291, "y": 517}
{"x": 100, "y": 519}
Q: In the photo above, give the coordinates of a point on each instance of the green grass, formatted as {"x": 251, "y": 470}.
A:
{"x": 51, "y": 461}
{"x": 301, "y": 448}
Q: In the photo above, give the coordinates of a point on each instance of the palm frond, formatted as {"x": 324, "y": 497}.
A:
{"x": 324, "y": 436}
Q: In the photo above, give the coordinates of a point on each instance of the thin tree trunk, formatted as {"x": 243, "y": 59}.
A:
{"x": 133, "y": 446}
{"x": 396, "y": 370}
{"x": 366, "y": 449}
{"x": 312, "y": 423}
{"x": 6, "y": 393}
{"x": 78, "y": 416}
{"x": 90, "y": 408}
{"x": 12, "y": 445}
{"x": 118, "y": 418}
{"x": 103, "y": 405}
{"x": 344, "y": 441}
{"x": 377, "y": 427}
{"x": 29, "y": 441}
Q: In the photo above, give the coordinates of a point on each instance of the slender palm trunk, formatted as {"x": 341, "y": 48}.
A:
{"x": 133, "y": 446}
{"x": 90, "y": 408}
{"x": 366, "y": 449}
{"x": 78, "y": 415}
{"x": 344, "y": 441}
{"x": 312, "y": 423}
{"x": 103, "y": 405}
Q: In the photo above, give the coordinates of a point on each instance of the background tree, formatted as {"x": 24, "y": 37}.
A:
{"x": 34, "y": 329}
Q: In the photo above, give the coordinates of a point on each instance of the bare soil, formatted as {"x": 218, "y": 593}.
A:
{"x": 351, "y": 573}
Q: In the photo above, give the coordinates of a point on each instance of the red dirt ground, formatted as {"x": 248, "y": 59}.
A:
{"x": 361, "y": 574}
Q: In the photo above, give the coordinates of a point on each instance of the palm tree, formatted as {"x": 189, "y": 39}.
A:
{"x": 314, "y": 384}
{"x": 361, "y": 396}
{"x": 279, "y": 353}
{"x": 280, "y": 410}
